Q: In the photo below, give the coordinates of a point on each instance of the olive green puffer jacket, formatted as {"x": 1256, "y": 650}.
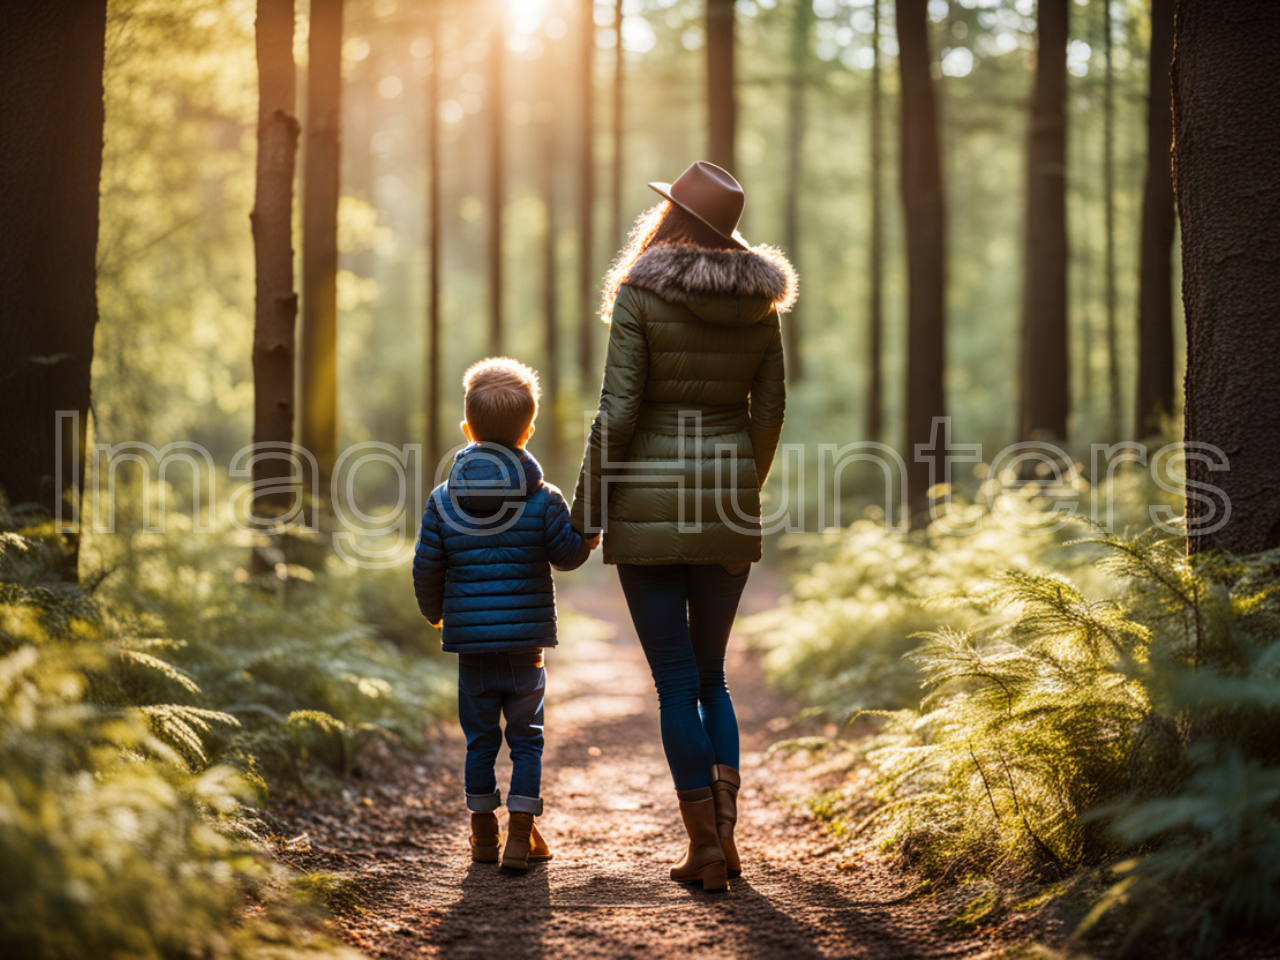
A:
{"x": 691, "y": 407}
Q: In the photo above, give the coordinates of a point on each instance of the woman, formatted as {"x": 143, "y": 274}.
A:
{"x": 690, "y": 412}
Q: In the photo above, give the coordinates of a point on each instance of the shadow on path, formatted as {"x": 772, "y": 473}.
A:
{"x": 613, "y": 823}
{"x": 499, "y": 916}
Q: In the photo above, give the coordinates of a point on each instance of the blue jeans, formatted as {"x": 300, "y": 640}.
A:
{"x": 683, "y": 614}
{"x": 491, "y": 685}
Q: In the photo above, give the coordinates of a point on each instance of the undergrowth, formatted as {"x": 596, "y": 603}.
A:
{"x": 1106, "y": 707}
{"x": 145, "y": 713}
{"x": 309, "y": 676}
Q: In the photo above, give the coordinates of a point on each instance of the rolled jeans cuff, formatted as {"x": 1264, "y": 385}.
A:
{"x": 524, "y": 805}
{"x": 484, "y": 802}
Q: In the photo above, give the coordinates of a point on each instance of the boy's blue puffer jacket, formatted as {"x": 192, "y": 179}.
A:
{"x": 490, "y": 535}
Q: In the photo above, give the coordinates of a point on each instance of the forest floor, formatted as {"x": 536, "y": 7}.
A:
{"x": 612, "y": 821}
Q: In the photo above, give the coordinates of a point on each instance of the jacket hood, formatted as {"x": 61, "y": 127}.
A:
{"x": 488, "y": 478}
{"x": 726, "y": 287}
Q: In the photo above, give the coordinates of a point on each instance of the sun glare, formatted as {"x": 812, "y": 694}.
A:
{"x": 528, "y": 14}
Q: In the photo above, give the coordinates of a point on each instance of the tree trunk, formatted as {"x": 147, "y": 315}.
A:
{"x": 1045, "y": 345}
{"x": 619, "y": 75}
{"x": 722, "y": 100}
{"x": 320, "y": 190}
{"x": 1154, "y": 398}
{"x": 497, "y": 106}
{"x": 800, "y": 53}
{"x": 550, "y": 298}
{"x": 275, "y": 301}
{"x": 435, "y": 442}
{"x": 51, "y": 57}
{"x": 1226, "y": 169}
{"x": 587, "y": 313}
{"x": 1109, "y": 226}
{"x": 875, "y": 317}
{"x": 925, "y": 215}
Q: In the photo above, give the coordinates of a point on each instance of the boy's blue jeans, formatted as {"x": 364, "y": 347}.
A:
{"x": 514, "y": 685}
{"x": 683, "y": 614}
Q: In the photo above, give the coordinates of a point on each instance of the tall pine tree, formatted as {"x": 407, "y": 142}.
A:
{"x": 588, "y": 375}
{"x": 925, "y": 211}
{"x": 801, "y": 52}
{"x": 875, "y": 269}
{"x": 318, "y": 342}
{"x": 722, "y": 96}
{"x": 51, "y": 57}
{"x": 275, "y": 301}
{"x": 1226, "y": 163}
{"x": 1154, "y": 398}
{"x": 1045, "y": 402}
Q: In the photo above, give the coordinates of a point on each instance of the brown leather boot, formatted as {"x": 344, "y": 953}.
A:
{"x": 725, "y": 789}
{"x": 484, "y": 837}
{"x": 704, "y": 861}
{"x": 524, "y": 844}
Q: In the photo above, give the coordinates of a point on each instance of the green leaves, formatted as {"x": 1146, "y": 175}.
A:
{"x": 183, "y": 727}
{"x": 1065, "y": 730}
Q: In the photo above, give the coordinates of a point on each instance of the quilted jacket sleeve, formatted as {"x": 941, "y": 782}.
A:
{"x": 626, "y": 370}
{"x": 429, "y": 563}
{"x": 768, "y": 403}
{"x": 566, "y": 548}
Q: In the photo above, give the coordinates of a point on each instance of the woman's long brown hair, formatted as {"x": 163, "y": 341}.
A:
{"x": 662, "y": 223}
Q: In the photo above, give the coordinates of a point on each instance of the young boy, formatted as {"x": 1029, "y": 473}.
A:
{"x": 490, "y": 536}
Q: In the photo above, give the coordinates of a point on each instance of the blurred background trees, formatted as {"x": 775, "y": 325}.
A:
{"x": 51, "y": 73}
{"x": 519, "y": 241}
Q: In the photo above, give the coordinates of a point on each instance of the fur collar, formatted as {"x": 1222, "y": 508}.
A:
{"x": 680, "y": 273}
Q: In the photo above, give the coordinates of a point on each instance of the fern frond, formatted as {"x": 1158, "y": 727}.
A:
{"x": 162, "y": 667}
{"x": 181, "y": 727}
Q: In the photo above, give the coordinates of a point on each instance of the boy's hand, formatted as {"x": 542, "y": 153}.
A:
{"x": 593, "y": 542}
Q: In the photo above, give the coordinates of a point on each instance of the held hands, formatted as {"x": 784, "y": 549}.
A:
{"x": 592, "y": 542}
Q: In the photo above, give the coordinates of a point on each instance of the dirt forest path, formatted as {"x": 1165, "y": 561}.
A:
{"x": 611, "y": 820}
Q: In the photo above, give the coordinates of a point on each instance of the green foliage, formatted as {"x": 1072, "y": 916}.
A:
{"x": 859, "y": 602}
{"x": 118, "y": 839}
{"x": 308, "y": 679}
{"x": 1064, "y": 731}
{"x": 1092, "y": 708}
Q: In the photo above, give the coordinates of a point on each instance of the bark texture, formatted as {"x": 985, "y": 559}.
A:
{"x": 1046, "y": 401}
{"x": 1154, "y": 398}
{"x": 318, "y": 341}
{"x": 925, "y": 215}
{"x": 1227, "y": 176}
{"x": 51, "y": 57}
{"x": 275, "y": 300}
{"x": 800, "y": 53}
{"x": 722, "y": 97}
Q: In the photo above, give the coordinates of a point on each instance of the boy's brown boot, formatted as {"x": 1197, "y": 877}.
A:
{"x": 485, "y": 837}
{"x": 724, "y": 787}
{"x": 704, "y": 860}
{"x": 524, "y": 844}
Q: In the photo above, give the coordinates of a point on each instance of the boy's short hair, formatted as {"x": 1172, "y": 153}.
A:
{"x": 501, "y": 399}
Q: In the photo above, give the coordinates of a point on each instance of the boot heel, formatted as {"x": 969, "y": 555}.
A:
{"x": 714, "y": 877}
{"x": 484, "y": 854}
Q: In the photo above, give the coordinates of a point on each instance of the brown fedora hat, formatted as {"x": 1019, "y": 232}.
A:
{"x": 712, "y": 195}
